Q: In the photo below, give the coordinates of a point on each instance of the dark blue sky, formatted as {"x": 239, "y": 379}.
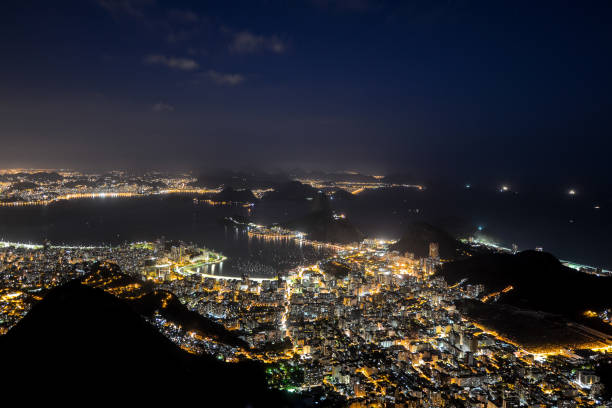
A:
{"x": 475, "y": 89}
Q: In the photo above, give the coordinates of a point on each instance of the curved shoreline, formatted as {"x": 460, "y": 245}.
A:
{"x": 106, "y": 194}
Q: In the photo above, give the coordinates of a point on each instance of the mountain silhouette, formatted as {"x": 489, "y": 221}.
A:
{"x": 539, "y": 280}
{"x": 148, "y": 301}
{"x": 231, "y": 194}
{"x": 419, "y": 235}
{"x": 321, "y": 225}
{"x": 291, "y": 191}
{"x": 544, "y": 301}
{"x": 85, "y": 342}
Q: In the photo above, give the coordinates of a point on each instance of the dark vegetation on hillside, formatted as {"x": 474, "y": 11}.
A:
{"x": 171, "y": 308}
{"x": 533, "y": 330}
{"x": 150, "y": 301}
{"x": 337, "y": 269}
{"x": 83, "y": 342}
{"x": 539, "y": 280}
{"x": 545, "y": 307}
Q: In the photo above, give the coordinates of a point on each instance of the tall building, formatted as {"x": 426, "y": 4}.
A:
{"x": 587, "y": 378}
{"x": 434, "y": 251}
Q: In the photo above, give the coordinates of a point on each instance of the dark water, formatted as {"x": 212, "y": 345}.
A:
{"x": 116, "y": 220}
{"x": 570, "y": 228}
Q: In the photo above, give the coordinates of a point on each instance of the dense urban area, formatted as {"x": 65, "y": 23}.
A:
{"x": 19, "y": 187}
{"x": 306, "y": 204}
{"x": 366, "y": 326}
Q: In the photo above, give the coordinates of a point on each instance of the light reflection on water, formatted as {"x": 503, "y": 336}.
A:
{"x": 116, "y": 221}
{"x": 526, "y": 219}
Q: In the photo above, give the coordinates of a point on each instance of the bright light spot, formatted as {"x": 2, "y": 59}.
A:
{"x": 572, "y": 192}
{"x": 504, "y": 188}
{"x": 540, "y": 358}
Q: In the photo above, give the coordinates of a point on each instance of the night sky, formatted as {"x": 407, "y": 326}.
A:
{"x": 478, "y": 89}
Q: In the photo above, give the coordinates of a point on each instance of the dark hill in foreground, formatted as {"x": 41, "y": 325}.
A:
{"x": 147, "y": 301}
{"x": 171, "y": 308}
{"x": 82, "y": 342}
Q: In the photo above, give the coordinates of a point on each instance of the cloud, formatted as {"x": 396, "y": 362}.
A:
{"x": 162, "y": 107}
{"x": 245, "y": 42}
{"x": 221, "y": 78}
{"x": 130, "y": 7}
{"x": 184, "y": 64}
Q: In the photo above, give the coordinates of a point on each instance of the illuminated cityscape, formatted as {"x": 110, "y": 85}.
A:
{"x": 367, "y": 324}
{"x": 306, "y": 204}
{"x": 17, "y": 189}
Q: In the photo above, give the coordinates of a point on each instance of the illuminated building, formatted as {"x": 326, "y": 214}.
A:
{"x": 434, "y": 250}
